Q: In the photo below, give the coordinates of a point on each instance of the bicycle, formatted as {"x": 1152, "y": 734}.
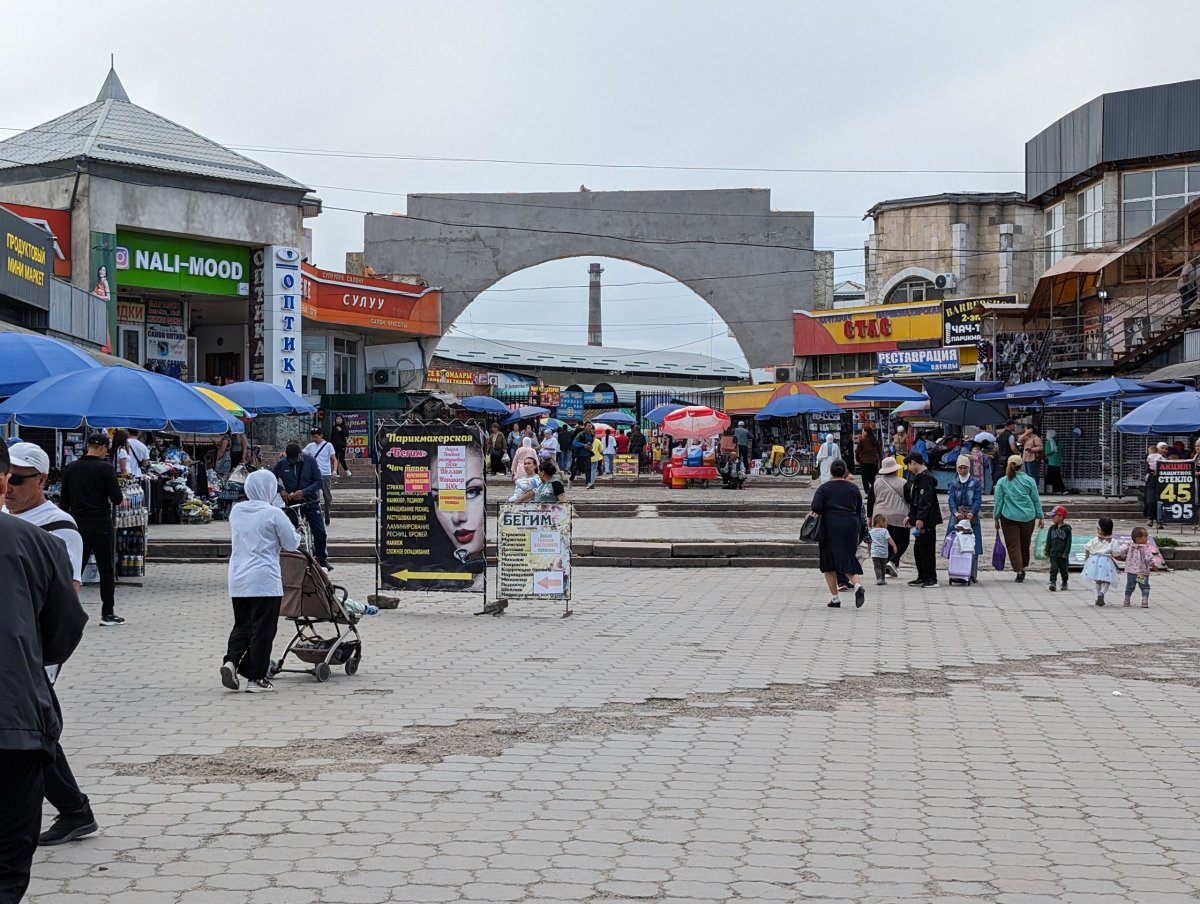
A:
{"x": 302, "y": 528}
{"x": 795, "y": 461}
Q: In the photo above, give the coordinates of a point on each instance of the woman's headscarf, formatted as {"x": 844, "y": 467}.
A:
{"x": 523, "y": 452}
{"x": 1051, "y": 441}
{"x": 828, "y": 437}
{"x": 261, "y": 487}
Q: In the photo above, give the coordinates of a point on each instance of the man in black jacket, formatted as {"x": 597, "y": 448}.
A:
{"x": 41, "y": 622}
{"x": 924, "y": 515}
{"x": 89, "y": 492}
{"x": 300, "y": 482}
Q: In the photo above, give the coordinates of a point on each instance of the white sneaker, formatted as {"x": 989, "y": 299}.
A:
{"x": 229, "y": 676}
{"x": 348, "y": 474}
{"x": 259, "y": 686}
{"x": 891, "y": 570}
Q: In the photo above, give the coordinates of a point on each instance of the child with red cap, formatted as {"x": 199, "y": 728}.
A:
{"x": 1058, "y": 546}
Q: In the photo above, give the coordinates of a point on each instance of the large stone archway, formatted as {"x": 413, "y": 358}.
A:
{"x": 753, "y": 265}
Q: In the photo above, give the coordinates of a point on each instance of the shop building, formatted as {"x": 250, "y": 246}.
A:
{"x": 958, "y": 244}
{"x": 195, "y": 249}
{"x": 1116, "y": 182}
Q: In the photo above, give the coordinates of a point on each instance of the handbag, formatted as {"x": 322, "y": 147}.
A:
{"x": 998, "y": 554}
{"x": 812, "y": 529}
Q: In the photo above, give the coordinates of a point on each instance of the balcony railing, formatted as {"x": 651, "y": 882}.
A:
{"x": 78, "y": 314}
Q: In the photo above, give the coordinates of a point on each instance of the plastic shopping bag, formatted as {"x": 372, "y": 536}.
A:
{"x": 998, "y": 554}
{"x": 1039, "y": 544}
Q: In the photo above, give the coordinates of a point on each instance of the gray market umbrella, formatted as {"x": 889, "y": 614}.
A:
{"x": 955, "y": 402}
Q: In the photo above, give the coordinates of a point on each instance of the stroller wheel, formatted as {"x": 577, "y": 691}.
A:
{"x": 352, "y": 665}
{"x": 321, "y": 671}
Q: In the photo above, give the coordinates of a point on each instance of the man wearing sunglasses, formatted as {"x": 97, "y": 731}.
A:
{"x": 29, "y": 469}
{"x": 42, "y": 622}
{"x": 89, "y": 492}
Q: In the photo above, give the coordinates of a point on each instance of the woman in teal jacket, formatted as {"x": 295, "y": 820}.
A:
{"x": 1016, "y": 505}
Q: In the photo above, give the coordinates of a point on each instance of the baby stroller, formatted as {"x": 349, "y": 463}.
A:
{"x": 309, "y": 599}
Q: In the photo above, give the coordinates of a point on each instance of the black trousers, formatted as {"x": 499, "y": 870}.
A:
{"x": 901, "y": 537}
{"x": 497, "y": 460}
{"x": 98, "y": 539}
{"x": 869, "y": 473}
{"x": 581, "y": 465}
{"x": 62, "y": 790}
{"x": 925, "y": 554}
{"x": 1054, "y": 480}
{"x": 255, "y": 619}
{"x": 744, "y": 455}
{"x": 21, "y": 782}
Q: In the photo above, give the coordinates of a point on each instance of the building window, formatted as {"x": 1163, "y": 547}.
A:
{"x": 913, "y": 289}
{"x": 1055, "y": 234}
{"x": 837, "y": 367}
{"x": 1151, "y": 196}
{"x": 1091, "y": 210}
{"x": 345, "y": 367}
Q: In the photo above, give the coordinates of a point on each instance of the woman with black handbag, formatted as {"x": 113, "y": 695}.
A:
{"x": 843, "y": 524}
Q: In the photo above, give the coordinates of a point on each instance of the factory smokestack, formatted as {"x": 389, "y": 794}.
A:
{"x": 595, "y": 331}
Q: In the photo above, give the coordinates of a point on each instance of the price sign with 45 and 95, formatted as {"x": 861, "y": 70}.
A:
{"x": 1177, "y": 492}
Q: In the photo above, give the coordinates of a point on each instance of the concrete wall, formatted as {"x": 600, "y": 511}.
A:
{"x": 922, "y": 240}
{"x": 753, "y": 265}
{"x": 823, "y": 280}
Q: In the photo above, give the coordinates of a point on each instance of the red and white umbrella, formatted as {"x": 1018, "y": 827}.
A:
{"x": 695, "y": 422}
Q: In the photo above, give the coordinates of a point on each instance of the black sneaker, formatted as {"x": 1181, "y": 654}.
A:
{"x": 326, "y": 566}
{"x": 1100, "y": 599}
{"x": 929, "y": 583}
{"x": 1020, "y": 577}
{"x": 69, "y": 826}
{"x": 860, "y": 596}
{"x": 259, "y": 685}
{"x": 110, "y": 621}
{"x": 917, "y": 582}
{"x": 834, "y": 604}
{"x": 1053, "y": 588}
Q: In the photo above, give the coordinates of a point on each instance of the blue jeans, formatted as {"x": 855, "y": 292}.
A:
{"x": 987, "y": 476}
{"x": 609, "y": 462}
{"x": 1032, "y": 468}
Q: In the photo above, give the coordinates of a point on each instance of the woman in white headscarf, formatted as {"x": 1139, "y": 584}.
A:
{"x": 524, "y": 451}
{"x": 827, "y": 455}
{"x": 258, "y": 531}
{"x": 550, "y": 447}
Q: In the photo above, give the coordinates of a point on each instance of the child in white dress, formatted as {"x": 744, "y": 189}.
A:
{"x": 1098, "y": 565}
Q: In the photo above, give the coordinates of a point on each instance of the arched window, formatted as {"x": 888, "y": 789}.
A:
{"x": 914, "y": 288}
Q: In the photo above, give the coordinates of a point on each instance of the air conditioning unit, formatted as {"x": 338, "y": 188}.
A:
{"x": 385, "y": 378}
{"x": 945, "y": 281}
{"x": 783, "y": 374}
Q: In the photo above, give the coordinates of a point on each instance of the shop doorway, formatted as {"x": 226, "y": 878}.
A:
{"x": 130, "y": 342}
{"x": 223, "y": 367}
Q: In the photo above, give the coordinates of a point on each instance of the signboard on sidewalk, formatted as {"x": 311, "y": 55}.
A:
{"x": 432, "y": 508}
{"x": 534, "y": 551}
{"x": 625, "y": 466}
{"x": 1176, "y": 492}
{"x": 358, "y": 445}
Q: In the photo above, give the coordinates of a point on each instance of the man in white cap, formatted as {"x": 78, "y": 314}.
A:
{"x": 29, "y": 467}
{"x": 743, "y": 443}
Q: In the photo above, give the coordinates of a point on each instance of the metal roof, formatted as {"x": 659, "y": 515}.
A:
{"x": 114, "y": 130}
{"x": 518, "y": 354}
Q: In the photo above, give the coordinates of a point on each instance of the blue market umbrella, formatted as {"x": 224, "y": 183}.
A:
{"x": 552, "y": 422}
{"x": 1111, "y": 388}
{"x": 796, "y": 405}
{"x": 27, "y": 358}
{"x": 655, "y": 415}
{"x": 525, "y": 412}
{"x": 1038, "y": 391}
{"x": 888, "y": 391}
{"x": 956, "y": 402}
{"x": 265, "y": 398}
{"x": 1176, "y": 412}
{"x": 117, "y": 397}
{"x": 615, "y": 418}
{"x": 482, "y": 404}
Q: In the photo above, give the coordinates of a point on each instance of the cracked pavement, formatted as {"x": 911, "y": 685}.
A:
{"x": 682, "y": 738}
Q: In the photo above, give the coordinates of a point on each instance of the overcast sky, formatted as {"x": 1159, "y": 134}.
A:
{"x": 877, "y": 86}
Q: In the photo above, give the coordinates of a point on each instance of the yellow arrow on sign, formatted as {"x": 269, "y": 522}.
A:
{"x": 407, "y": 575}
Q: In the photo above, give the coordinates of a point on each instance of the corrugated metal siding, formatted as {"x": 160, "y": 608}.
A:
{"x": 1125, "y": 125}
{"x": 1151, "y": 122}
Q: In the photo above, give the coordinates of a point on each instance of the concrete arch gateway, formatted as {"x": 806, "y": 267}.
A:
{"x": 753, "y": 265}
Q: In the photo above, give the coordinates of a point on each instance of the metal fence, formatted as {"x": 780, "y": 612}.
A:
{"x": 78, "y": 314}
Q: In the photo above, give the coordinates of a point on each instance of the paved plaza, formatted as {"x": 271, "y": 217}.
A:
{"x": 678, "y": 739}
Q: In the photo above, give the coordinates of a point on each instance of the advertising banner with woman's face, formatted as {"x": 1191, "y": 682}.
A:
{"x": 432, "y": 508}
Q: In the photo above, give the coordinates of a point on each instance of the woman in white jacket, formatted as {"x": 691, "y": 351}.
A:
{"x": 827, "y": 455}
{"x": 258, "y": 531}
